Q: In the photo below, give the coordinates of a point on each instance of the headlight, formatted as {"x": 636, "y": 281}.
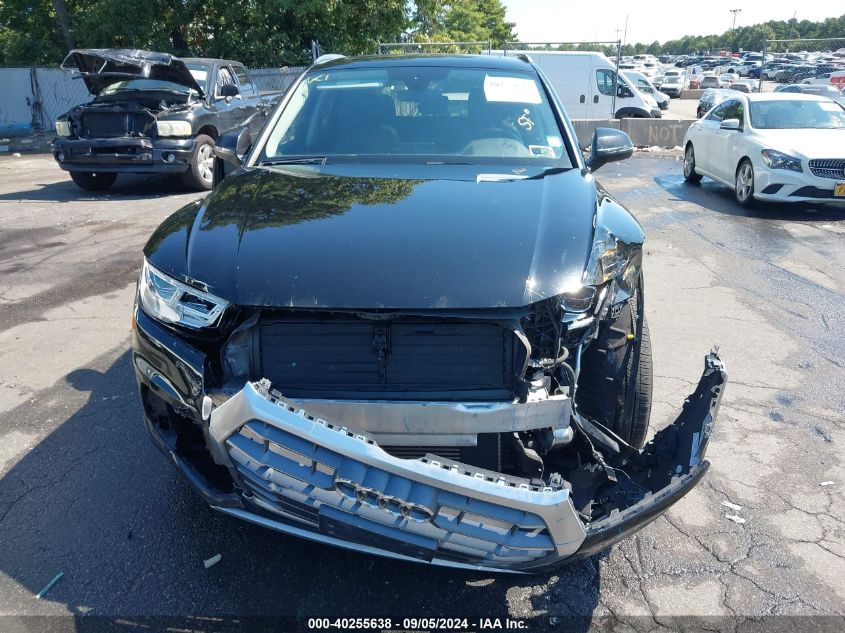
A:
{"x": 611, "y": 258}
{"x": 578, "y": 300}
{"x": 173, "y": 128}
{"x": 171, "y": 301}
{"x": 779, "y": 160}
{"x": 62, "y": 128}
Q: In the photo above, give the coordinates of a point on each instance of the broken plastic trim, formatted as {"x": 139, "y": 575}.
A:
{"x": 665, "y": 470}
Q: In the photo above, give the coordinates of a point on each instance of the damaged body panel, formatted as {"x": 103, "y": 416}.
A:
{"x": 439, "y": 358}
{"x": 152, "y": 113}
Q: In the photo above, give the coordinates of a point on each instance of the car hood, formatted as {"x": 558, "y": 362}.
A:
{"x": 100, "y": 67}
{"x": 805, "y": 143}
{"x": 428, "y": 237}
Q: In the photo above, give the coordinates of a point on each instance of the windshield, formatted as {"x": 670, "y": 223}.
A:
{"x": 200, "y": 74}
{"x": 419, "y": 115}
{"x": 144, "y": 84}
{"x": 796, "y": 114}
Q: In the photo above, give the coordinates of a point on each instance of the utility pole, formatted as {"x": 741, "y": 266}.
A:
{"x": 733, "y": 28}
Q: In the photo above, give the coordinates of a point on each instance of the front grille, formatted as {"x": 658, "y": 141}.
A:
{"x": 338, "y": 495}
{"x": 116, "y": 124}
{"x": 402, "y": 359}
{"x": 833, "y": 168}
{"x": 415, "y": 452}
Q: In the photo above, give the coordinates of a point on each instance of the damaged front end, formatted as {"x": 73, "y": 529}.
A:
{"x": 454, "y": 441}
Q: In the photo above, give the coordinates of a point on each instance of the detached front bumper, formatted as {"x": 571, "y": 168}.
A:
{"x": 296, "y": 473}
{"x": 125, "y": 155}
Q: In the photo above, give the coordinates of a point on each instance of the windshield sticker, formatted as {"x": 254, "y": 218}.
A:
{"x": 554, "y": 141}
{"x": 525, "y": 120}
{"x": 831, "y": 106}
{"x": 542, "y": 150}
{"x": 511, "y": 90}
{"x": 199, "y": 75}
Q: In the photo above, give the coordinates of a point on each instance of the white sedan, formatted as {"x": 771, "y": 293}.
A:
{"x": 771, "y": 146}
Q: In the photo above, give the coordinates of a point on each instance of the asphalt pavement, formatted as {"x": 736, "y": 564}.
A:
{"x": 85, "y": 493}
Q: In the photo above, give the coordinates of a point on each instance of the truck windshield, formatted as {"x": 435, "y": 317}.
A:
{"x": 419, "y": 115}
{"x": 144, "y": 84}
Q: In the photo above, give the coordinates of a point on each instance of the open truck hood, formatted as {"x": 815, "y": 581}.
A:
{"x": 100, "y": 67}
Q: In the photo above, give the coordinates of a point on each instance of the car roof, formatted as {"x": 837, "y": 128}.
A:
{"x": 496, "y": 62}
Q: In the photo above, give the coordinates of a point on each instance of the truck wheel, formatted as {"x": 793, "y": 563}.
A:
{"x": 93, "y": 181}
{"x": 615, "y": 384}
{"x": 201, "y": 172}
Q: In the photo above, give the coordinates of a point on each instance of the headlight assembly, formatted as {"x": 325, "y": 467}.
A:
{"x": 63, "y": 128}
{"x": 171, "y": 301}
{"x": 611, "y": 258}
{"x": 779, "y": 160}
{"x": 173, "y": 128}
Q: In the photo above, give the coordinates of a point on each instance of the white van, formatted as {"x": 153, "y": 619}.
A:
{"x": 585, "y": 83}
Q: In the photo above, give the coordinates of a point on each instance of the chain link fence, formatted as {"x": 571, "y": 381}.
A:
{"x": 32, "y": 98}
{"x": 419, "y": 48}
{"x": 803, "y": 62}
{"x": 610, "y": 49}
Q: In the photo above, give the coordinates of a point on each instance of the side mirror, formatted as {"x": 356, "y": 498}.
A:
{"x": 229, "y": 151}
{"x": 608, "y": 145}
{"x": 624, "y": 92}
{"x": 730, "y": 124}
{"x": 227, "y": 91}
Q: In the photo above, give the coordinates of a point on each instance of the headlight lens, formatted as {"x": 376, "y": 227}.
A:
{"x": 578, "y": 300}
{"x": 779, "y": 160}
{"x": 62, "y": 128}
{"x": 611, "y": 258}
{"x": 173, "y": 128}
{"x": 171, "y": 301}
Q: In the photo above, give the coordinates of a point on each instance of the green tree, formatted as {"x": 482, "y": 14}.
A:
{"x": 461, "y": 21}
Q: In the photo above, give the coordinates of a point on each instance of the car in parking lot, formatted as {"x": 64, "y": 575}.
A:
{"x": 674, "y": 82}
{"x": 821, "y": 90}
{"x": 710, "y": 81}
{"x": 776, "y": 146}
{"x": 644, "y": 85}
{"x": 710, "y": 98}
{"x": 407, "y": 321}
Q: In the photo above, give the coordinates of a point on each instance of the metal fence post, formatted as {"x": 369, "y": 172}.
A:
{"x": 763, "y": 66}
{"x": 616, "y": 78}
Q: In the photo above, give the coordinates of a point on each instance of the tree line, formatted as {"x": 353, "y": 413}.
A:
{"x": 753, "y": 38}
{"x": 281, "y": 32}
{"x": 257, "y": 32}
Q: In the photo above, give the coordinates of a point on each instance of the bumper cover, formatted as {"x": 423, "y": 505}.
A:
{"x": 310, "y": 478}
{"x": 319, "y": 480}
{"x": 130, "y": 154}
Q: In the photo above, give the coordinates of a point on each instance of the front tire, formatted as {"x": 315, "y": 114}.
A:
{"x": 615, "y": 384}
{"x": 200, "y": 175}
{"x": 93, "y": 181}
{"x": 690, "y": 175}
{"x": 744, "y": 183}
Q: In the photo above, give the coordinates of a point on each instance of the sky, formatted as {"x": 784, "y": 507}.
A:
{"x": 580, "y": 20}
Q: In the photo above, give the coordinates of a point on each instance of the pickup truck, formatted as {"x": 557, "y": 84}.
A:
{"x": 153, "y": 113}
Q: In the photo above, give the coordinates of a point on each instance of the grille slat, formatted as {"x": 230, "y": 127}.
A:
{"x": 833, "y": 168}
{"x": 116, "y": 124}
{"x": 488, "y": 534}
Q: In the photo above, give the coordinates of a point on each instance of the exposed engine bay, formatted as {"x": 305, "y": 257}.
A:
{"x": 123, "y": 118}
{"x": 496, "y": 390}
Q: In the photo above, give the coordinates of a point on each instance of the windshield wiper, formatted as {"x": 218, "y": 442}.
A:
{"x": 305, "y": 160}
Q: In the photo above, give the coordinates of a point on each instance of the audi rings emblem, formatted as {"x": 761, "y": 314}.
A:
{"x": 377, "y": 499}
